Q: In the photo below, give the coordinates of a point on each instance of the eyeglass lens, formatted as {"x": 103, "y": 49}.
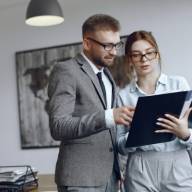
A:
{"x": 149, "y": 56}
{"x": 108, "y": 46}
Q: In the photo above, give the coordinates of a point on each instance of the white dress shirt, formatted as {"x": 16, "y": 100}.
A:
{"x": 129, "y": 96}
{"x": 108, "y": 87}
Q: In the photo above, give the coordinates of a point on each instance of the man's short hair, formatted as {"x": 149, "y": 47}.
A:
{"x": 100, "y": 22}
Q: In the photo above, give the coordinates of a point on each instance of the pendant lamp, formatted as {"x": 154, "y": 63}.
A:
{"x": 44, "y": 13}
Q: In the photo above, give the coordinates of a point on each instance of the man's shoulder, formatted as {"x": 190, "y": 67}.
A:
{"x": 67, "y": 64}
{"x": 70, "y": 62}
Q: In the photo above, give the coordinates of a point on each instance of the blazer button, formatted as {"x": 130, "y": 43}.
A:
{"x": 110, "y": 149}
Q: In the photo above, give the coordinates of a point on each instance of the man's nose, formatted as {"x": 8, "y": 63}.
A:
{"x": 113, "y": 51}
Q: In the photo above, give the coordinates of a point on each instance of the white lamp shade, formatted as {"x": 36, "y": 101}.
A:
{"x": 44, "y": 13}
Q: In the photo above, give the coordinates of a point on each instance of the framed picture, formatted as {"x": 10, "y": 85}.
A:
{"x": 33, "y": 68}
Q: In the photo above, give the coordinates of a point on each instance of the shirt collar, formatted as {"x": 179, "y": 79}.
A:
{"x": 95, "y": 69}
{"x": 162, "y": 80}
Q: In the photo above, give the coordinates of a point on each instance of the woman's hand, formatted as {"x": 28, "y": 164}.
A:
{"x": 178, "y": 127}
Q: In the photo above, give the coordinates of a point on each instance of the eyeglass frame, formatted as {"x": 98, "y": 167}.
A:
{"x": 144, "y": 55}
{"x": 104, "y": 45}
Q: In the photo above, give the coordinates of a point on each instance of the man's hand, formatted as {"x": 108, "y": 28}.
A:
{"x": 123, "y": 115}
{"x": 171, "y": 124}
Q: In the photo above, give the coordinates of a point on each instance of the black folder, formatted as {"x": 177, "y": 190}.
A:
{"x": 148, "y": 110}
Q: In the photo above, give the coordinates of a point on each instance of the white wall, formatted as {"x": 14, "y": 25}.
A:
{"x": 169, "y": 20}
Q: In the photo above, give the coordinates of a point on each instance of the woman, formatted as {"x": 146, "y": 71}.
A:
{"x": 162, "y": 167}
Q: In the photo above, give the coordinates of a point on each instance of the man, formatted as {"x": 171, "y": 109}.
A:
{"x": 82, "y": 116}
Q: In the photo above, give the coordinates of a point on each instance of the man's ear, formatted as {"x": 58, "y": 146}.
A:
{"x": 86, "y": 45}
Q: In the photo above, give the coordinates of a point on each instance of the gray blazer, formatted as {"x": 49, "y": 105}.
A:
{"x": 77, "y": 119}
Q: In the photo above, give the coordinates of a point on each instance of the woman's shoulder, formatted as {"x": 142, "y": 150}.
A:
{"x": 128, "y": 95}
{"x": 177, "y": 81}
{"x": 176, "y": 78}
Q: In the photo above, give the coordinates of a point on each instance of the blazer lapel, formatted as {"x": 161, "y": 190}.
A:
{"x": 114, "y": 91}
{"x": 89, "y": 71}
{"x": 113, "y": 131}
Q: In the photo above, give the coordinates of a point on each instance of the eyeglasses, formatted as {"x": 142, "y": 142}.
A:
{"x": 139, "y": 57}
{"x": 108, "y": 46}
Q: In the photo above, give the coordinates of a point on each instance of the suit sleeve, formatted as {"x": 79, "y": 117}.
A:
{"x": 62, "y": 97}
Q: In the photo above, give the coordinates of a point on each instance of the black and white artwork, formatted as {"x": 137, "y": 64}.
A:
{"x": 33, "y": 68}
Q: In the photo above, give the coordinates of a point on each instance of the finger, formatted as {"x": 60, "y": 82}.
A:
{"x": 166, "y": 122}
{"x": 128, "y": 115}
{"x": 124, "y": 122}
{"x": 127, "y": 118}
{"x": 163, "y": 131}
{"x": 172, "y": 118}
{"x": 165, "y": 126}
{"x": 130, "y": 108}
{"x": 124, "y": 118}
{"x": 128, "y": 111}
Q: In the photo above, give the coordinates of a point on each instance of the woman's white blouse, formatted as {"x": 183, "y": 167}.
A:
{"x": 129, "y": 96}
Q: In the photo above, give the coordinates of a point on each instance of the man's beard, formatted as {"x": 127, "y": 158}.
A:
{"x": 102, "y": 63}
